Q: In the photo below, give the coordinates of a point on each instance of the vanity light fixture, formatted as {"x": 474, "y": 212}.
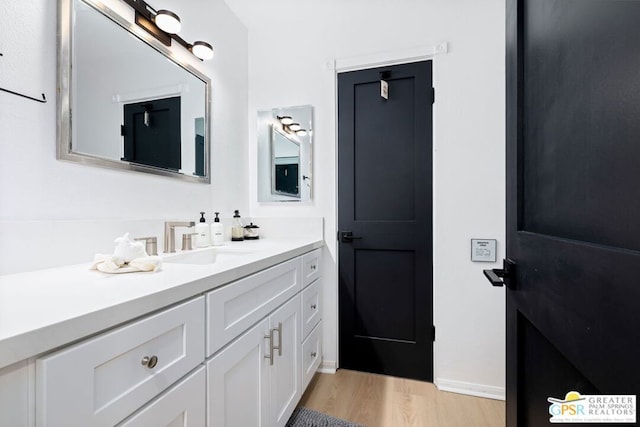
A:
{"x": 168, "y": 21}
{"x": 295, "y": 127}
{"x": 164, "y": 26}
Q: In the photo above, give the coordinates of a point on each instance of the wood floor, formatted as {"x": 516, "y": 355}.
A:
{"x": 382, "y": 401}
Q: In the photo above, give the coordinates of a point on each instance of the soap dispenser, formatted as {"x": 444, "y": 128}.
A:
{"x": 237, "y": 230}
{"x": 202, "y": 230}
{"x": 217, "y": 231}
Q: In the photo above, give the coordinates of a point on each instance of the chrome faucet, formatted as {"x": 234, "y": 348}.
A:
{"x": 170, "y": 233}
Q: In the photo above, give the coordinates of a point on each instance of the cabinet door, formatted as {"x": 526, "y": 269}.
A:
{"x": 237, "y": 381}
{"x": 285, "y": 381}
{"x": 182, "y": 406}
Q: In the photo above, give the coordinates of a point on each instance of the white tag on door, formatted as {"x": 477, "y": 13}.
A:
{"x": 384, "y": 89}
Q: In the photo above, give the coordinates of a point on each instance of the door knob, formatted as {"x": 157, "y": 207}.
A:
{"x": 348, "y": 237}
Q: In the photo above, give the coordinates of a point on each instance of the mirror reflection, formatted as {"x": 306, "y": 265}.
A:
{"x": 285, "y": 164}
{"x": 285, "y": 154}
{"x": 130, "y": 104}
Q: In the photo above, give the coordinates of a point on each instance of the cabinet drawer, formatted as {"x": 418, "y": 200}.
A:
{"x": 232, "y": 309}
{"x": 311, "y": 307}
{"x": 101, "y": 381}
{"x": 311, "y": 263}
{"x": 311, "y": 355}
{"x": 183, "y": 405}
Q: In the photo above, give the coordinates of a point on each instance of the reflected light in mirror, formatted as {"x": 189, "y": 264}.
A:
{"x": 285, "y": 120}
{"x": 168, "y": 21}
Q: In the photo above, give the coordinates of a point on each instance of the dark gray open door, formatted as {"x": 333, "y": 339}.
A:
{"x": 573, "y": 202}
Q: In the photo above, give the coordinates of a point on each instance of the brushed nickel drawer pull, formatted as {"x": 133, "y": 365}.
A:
{"x": 150, "y": 362}
{"x": 270, "y": 355}
{"x": 313, "y": 306}
{"x": 279, "y": 347}
{"x": 314, "y": 354}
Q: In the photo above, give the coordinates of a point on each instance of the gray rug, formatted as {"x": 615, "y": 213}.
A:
{"x": 305, "y": 417}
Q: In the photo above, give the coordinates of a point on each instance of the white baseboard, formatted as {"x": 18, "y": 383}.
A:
{"x": 472, "y": 389}
{"x": 328, "y": 367}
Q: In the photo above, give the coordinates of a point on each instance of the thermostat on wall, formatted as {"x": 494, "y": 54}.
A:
{"x": 483, "y": 250}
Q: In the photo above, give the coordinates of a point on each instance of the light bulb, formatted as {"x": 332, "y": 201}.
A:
{"x": 202, "y": 50}
{"x": 168, "y": 21}
{"x": 295, "y": 126}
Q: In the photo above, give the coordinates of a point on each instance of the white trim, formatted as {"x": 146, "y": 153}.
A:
{"x": 328, "y": 367}
{"x": 150, "y": 94}
{"x": 381, "y": 59}
{"x": 471, "y": 389}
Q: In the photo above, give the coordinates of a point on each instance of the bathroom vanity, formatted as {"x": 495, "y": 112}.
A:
{"x": 229, "y": 343}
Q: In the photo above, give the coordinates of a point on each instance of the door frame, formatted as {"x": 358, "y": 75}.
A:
{"x": 362, "y": 62}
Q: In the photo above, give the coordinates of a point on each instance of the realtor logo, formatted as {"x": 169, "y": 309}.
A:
{"x": 577, "y": 408}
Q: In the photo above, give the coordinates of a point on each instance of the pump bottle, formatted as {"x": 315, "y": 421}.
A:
{"x": 217, "y": 231}
{"x": 202, "y": 230}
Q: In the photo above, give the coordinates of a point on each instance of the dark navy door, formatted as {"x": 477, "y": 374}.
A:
{"x": 385, "y": 220}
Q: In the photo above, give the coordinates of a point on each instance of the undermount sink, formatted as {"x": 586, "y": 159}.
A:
{"x": 196, "y": 256}
{"x": 207, "y": 255}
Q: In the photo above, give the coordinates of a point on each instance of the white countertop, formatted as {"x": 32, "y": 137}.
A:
{"x": 46, "y": 309}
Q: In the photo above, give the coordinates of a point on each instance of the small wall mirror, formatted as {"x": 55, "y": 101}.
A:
{"x": 285, "y": 137}
{"x": 125, "y": 101}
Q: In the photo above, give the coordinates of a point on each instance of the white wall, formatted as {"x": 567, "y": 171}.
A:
{"x": 290, "y": 44}
{"x": 53, "y": 212}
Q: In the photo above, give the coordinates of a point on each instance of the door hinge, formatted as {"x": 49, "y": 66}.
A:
{"x": 433, "y": 332}
{"x": 433, "y": 95}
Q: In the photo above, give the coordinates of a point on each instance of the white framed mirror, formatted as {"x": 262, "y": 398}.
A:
{"x": 125, "y": 100}
{"x": 285, "y": 147}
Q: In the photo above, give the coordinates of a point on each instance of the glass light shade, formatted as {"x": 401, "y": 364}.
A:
{"x": 295, "y": 127}
{"x": 202, "y": 50}
{"x": 301, "y": 132}
{"x": 285, "y": 120}
{"x": 168, "y": 21}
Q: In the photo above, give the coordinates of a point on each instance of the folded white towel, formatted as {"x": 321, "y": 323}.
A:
{"x": 115, "y": 264}
{"x": 129, "y": 249}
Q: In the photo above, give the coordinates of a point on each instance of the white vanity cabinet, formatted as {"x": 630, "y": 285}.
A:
{"x": 103, "y": 380}
{"x": 255, "y": 381}
{"x": 228, "y": 350}
{"x": 259, "y": 377}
